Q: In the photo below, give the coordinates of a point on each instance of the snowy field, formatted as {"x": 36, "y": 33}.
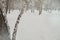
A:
{"x": 36, "y": 27}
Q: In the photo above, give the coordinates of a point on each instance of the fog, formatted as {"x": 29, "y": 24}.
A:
{"x": 36, "y": 27}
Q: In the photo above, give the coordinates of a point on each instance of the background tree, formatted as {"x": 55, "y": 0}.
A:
{"x": 4, "y": 28}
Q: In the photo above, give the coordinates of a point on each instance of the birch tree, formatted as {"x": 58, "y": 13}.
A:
{"x": 24, "y": 5}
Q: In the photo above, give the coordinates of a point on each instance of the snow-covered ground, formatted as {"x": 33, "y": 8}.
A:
{"x": 36, "y": 27}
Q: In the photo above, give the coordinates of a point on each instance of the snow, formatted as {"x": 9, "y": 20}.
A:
{"x": 36, "y": 27}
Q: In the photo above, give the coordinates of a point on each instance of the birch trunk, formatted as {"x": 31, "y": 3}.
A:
{"x": 16, "y": 25}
